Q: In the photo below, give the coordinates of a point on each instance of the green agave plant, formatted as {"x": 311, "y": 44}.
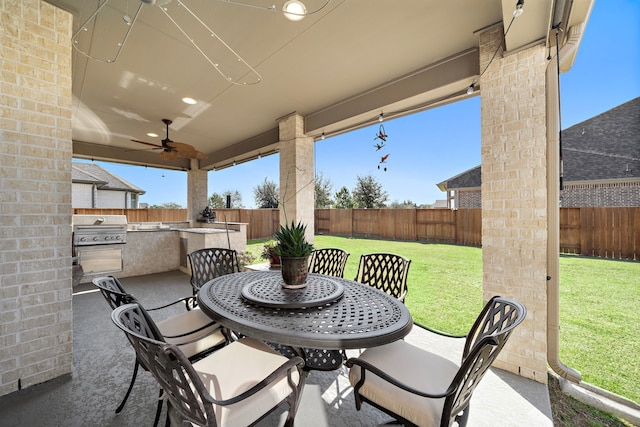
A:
{"x": 292, "y": 242}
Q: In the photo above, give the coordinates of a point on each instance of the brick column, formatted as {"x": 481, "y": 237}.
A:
{"x": 514, "y": 195}
{"x": 297, "y": 186}
{"x": 35, "y": 194}
{"x": 197, "y": 188}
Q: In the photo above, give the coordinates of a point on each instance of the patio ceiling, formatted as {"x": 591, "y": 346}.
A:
{"x": 339, "y": 68}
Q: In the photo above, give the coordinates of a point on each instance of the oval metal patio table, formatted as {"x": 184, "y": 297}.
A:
{"x": 362, "y": 316}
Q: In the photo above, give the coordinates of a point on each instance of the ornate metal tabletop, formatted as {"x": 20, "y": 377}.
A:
{"x": 362, "y": 317}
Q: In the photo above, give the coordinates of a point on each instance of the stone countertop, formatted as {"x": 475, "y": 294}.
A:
{"x": 136, "y": 228}
{"x": 204, "y": 230}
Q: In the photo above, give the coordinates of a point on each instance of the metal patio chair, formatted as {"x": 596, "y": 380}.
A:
{"x": 235, "y": 386}
{"x": 193, "y": 330}
{"x": 209, "y": 263}
{"x": 420, "y": 388}
{"x": 329, "y": 261}
{"x": 386, "y": 272}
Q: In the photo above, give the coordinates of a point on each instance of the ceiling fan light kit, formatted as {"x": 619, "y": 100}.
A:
{"x": 171, "y": 149}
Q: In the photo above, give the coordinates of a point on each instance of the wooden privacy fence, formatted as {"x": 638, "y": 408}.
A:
{"x": 601, "y": 232}
{"x": 609, "y": 232}
{"x": 462, "y": 227}
{"x": 261, "y": 223}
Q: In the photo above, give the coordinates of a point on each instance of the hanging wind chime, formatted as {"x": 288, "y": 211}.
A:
{"x": 382, "y": 137}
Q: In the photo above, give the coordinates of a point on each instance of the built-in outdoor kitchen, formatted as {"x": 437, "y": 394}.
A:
{"x": 108, "y": 244}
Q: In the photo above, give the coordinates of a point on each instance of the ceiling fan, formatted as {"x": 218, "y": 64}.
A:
{"x": 171, "y": 149}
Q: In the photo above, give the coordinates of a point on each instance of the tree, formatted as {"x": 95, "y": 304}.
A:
{"x": 167, "y": 205}
{"x": 368, "y": 193}
{"x": 323, "y": 192}
{"x": 343, "y": 199}
{"x": 236, "y": 198}
{"x": 216, "y": 201}
{"x": 407, "y": 204}
{"x": 266, "y": 195}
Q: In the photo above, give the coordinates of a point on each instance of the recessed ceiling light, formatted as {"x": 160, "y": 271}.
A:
{"x": 188, "y": 100}
{"x": 152, "y": 135}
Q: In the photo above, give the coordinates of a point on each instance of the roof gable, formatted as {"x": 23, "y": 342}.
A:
{"x": 105, "y": 180}
{"x": 470, "y": 178}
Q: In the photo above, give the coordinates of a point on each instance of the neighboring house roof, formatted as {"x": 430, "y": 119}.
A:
{"x": 439, "y": 204}
{"x": 604, "y": 147}
{"x": 467, "y": 179}
{"x": 88, "y": 173}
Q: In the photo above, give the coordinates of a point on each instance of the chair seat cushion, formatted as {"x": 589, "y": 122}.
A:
{"x": 236, "y": 368}
{"x": 189, "y": 321}
{"x": 413, "y": 366}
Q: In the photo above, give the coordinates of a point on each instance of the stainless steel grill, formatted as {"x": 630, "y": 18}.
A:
{"x": 90, "y": 230}
{"x": 98, "y": 241}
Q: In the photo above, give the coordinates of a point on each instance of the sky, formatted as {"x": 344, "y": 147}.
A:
{"x": 431, "y": 146}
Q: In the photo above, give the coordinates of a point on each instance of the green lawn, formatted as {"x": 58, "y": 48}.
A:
{"x": 599, "y": 303}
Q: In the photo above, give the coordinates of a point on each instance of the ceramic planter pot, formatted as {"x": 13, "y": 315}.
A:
{"x": 274, "y": 261}
{"x": 294, "y": 271}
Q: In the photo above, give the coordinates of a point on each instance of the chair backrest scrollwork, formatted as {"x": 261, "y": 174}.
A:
{"x": 209, "y": 263}
{"x": 386, "y": 272}
{"x": 113, "y": 291}
{"x": 485, "y": 340}
{"x": 328, "y": 261}
{"x": 167, "y": 363}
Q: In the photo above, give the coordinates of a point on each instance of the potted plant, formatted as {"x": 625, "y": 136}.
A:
{"x": 269, "y": 254}
{"x": 294, "y": 250}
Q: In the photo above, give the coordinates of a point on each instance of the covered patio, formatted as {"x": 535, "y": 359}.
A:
{"x": 103, "y": 361}
{"x": 346, "y": 65}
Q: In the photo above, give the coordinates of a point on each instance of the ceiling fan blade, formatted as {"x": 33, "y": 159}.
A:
{"x": 186, "y": 150}
{"x": 171, "y": 149}
{"x": 168, "y": 155}
{"x": 147, "y": 143}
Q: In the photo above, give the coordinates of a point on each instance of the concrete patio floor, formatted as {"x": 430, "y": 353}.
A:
{"x": 103, "y": 362}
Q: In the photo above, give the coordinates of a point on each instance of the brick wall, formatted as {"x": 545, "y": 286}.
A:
{"x": 514, "y": 196}
{"x": 35, "y": 195}
{"x": 469, "y": 199}
{"x": 619, "y": 194}
{"x": 592, "y": 195}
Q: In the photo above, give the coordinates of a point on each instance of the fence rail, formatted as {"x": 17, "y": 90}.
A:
{"x": 601, "y": 232}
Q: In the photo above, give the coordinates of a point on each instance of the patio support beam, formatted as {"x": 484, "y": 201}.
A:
{"x": 514, "y": 194}
{"x": 297, "y": 174}
{"x": 197, "y": 188}
{"x": 108, "y": 153}
{"x": 412, "y": 92}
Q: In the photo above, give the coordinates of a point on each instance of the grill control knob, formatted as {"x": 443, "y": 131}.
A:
{"x": 82, "y": 239}
{"x": 95, "y": 238}
{"x": 117, "y": 237}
